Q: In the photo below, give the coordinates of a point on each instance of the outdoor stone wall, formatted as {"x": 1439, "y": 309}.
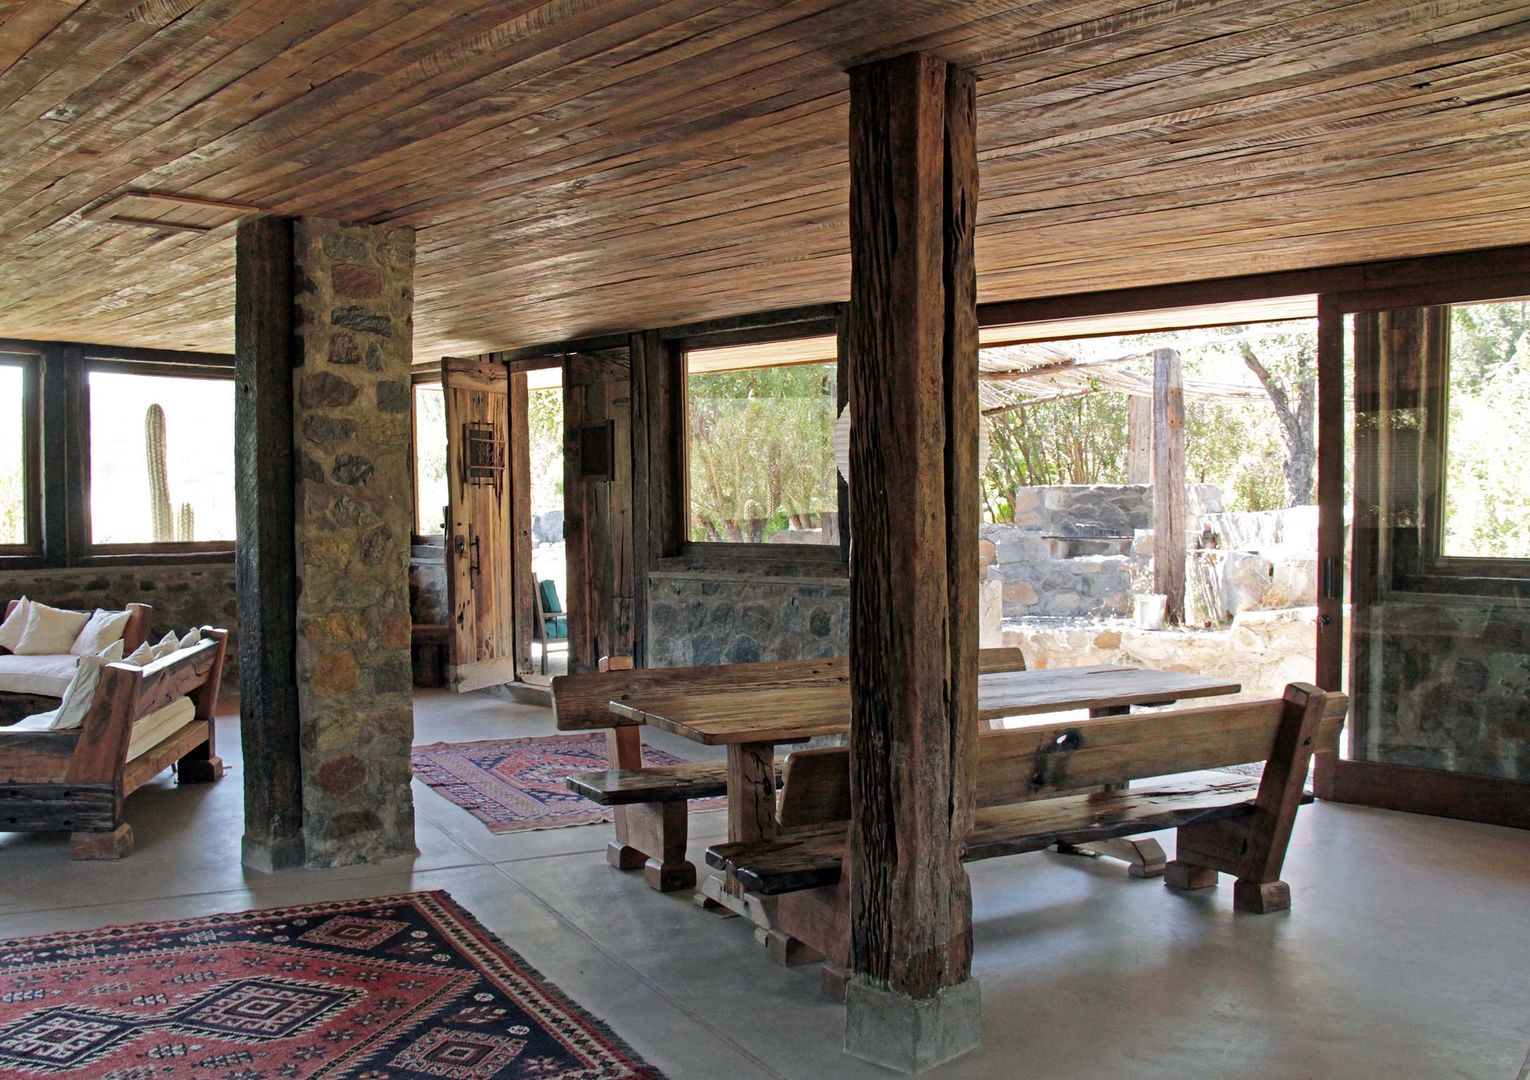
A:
{"x": 1060, "y": 508}
{"x": 427, "y": 584}
{"x": 1037, "y": 583}
{"x": 1449, "y": 685}
{"x": 730, "y": 617}
{"x": 182, "y": 597}
{"x": 1262, "y": 650}
{"x": 353, "y": 519}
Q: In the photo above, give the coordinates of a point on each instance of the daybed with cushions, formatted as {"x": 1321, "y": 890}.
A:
{"x": 118, "y": 726}
{"x": 32, "y": 680}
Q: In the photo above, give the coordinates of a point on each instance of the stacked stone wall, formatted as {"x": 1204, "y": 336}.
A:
{"x": 353, "y": 522}
{"x": 728, "y": 617}
{"x": 182, "y": 596}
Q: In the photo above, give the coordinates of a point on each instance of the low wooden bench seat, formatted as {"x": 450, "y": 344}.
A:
{"x": 651, "y": 827}
{"x": 656, "y": 783}
{"x": 1064, "y": 784}
{"x": 811, "y": 857}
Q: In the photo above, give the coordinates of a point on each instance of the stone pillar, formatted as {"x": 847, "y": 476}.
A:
{"x": 914, "y": 509}
{"x": 349, "y": 499}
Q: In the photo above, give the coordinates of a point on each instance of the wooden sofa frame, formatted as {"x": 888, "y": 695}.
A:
{"x": 76, "y": 780}
{"x": 1067, "y": 784}
{"x": 13, "y": 706}
{"x": 650, "y": 803}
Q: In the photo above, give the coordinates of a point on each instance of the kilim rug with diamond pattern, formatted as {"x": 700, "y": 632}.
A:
{"x": 397, "y": 987}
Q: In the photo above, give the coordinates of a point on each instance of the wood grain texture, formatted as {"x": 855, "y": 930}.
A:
{"x": 576, "y": 168}
{"x": 718, "y": 711}
{"x": 1168, "y": 472}
{"x": 913, "y": 467}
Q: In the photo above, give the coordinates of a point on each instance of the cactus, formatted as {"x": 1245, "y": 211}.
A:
{"x": 159, "y": 478}
{"x": 186, "y": 524}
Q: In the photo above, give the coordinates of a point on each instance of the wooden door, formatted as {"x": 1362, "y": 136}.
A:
{"x": 481, "y": 494}
{"x": 597, "y": 506}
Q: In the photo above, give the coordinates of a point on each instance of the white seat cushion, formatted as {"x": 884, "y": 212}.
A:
{"x": 159, "y": 725}
{"x": 47, "y": 675}
{"x": 105, "y": 628}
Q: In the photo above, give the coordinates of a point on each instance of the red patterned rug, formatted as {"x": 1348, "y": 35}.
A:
{"x": 402, "y": 986}
{"x": 512, "y": 785}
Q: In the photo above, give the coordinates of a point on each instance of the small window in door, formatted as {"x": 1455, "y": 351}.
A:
{"x": 1487, "y": 474}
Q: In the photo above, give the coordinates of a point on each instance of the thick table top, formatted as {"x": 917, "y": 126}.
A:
{"x": 794, "y": 714}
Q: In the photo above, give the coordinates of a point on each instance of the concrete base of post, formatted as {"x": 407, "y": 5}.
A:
{"x": 911, "y": 1034}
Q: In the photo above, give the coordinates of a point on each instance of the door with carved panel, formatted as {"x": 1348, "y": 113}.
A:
{"x": 480, "y": 525}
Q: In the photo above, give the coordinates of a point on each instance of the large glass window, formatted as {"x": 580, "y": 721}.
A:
{"x": 161, "y": 458}
{"x": 760, "y": 443}
{"x": 1487, "y": 476}
{"x": 15, "y": 481}
{"x": 429, "y": 459}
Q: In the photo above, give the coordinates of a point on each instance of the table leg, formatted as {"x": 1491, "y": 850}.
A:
{"x": 751, "y": 816}
{"x": 1145, "y": 857}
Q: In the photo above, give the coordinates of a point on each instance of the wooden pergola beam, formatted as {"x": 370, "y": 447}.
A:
{"x": 913, "y": 370}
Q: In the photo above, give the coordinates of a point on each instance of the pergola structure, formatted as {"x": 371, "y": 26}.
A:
{"x": 339, "y": 192}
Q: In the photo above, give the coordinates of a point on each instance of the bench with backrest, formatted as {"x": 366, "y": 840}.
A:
{"x": 1049, "y": 784}
{"x": 30, "y": 684}
{"x": 651, "y": 802}
{"x": 140, "y": 721}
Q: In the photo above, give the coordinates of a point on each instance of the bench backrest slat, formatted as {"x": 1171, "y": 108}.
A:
{"x": 1041, "y": 760}
{"x": 1023, "y": 763}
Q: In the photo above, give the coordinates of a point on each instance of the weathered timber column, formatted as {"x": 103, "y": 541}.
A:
{"x": 912, "y": 1002}
{"x": 324, "y": 342}
{"x": 1139, "y": 439}
{"x": 1169, "y": 484}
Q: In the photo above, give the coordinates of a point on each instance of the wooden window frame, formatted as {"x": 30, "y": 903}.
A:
{"x": 148, "y": 363}
{"x": 30, "y": 362}
{"x": 691, "y": 554}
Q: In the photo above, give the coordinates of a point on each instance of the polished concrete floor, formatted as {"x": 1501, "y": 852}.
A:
{"x": 1406, "y": 955}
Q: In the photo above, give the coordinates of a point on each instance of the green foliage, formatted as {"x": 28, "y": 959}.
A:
{"x": 13, "y": 507}
{"x": 544, "y": 412}
{"x": 761, "y": 451}
{"x": 1487, "y": 490}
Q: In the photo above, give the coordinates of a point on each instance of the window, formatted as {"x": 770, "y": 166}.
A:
{"x": 430, "y": 493}
{"x": 161, "y": 457}
{"x": 760, "y": 443}
{"x": 1487, "y": 425}
{"x": 17, "y": 452}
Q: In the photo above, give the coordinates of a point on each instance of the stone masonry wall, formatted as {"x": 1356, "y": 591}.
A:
{"x": 727, "y": 617}
{"x": 1449, "y": 684}
{"x": 1060, "y": 508}
{"x": 354, "y": 288}
{"x": 182, "y": 597}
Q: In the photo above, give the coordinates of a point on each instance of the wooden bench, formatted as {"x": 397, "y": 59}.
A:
{"x": 76, "y": 780}
{"x": 1048, "y": 784}
{"x": 14, "y": 705}
{"x": 650, "y": 801}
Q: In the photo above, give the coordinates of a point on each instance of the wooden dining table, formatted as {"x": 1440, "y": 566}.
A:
{"x": 751, "y": 723}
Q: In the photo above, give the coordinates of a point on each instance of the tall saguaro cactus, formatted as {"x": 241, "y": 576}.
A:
{"x": 159, "y": 476}
{"x": 185, "y": 524}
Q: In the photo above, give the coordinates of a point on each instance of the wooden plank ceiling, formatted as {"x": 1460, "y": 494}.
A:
{"x": 580, "y": 166}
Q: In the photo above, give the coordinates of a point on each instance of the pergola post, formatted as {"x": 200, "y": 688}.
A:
{"x": 1169, "y": 484}
{"x": 912, "y": 359}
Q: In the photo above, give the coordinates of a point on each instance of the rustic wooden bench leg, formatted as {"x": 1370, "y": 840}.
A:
{"x": 102, "y": 845}
{"x": 1254, "y": 848}
{"x": 1184, "y": 875}
{"x": 201, "y": 766}
{"x": 1145, "y": 858}
{"x": 650, "y": 836}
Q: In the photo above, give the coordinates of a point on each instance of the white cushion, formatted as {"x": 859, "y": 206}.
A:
{"x": 103, "y": 628}
{"x": 49, "y": 630}
{"x": 167, "y": 644}
{"x": 10, "y": 629}
{"x": 153, "y": 729}
{"x": 47, "y": 675}
{"x": 42, "y": 721}
{"x": 140, "y": 656}
{"x": 190, "y": 638}
{"x": 80, "y": 693}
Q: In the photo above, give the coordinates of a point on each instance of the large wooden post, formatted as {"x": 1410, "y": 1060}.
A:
{"x": 913, "y": 560}
{"x": 1169, "y": 484}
